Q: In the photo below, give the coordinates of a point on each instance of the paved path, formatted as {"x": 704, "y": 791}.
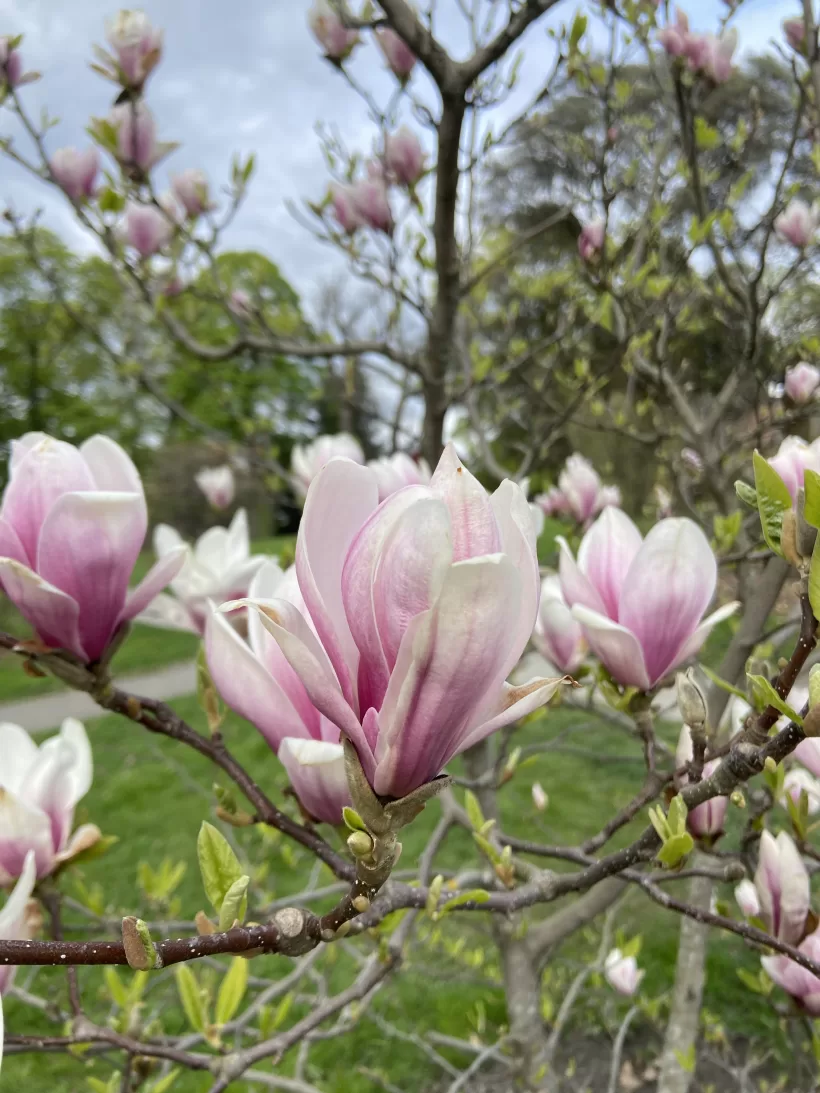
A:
{"x": 48, "y": 711}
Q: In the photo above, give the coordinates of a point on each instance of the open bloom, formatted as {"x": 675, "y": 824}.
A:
{"x": 146, "y": 228}
{"x": 795, "y": 457}
{"x": 801, "y": 382}
{"x": 394, "y": 472}
{"x": 190, "y": 188}
{"x": 797, "y": 223}
{"x": 591, "y": 239}
{"x": 218, "y": 485}
{"x": 782, "y": 885}
{"x": 714, "y": 58}
{"x": 72, "y": 524}
{"x": 400, "y": 58}
{"x": 798, "y": 781}
{"x": 136, "y": 130}
{"x": 404, "y": 156}
{"x": 307, "y": 460}
{"x": 747, "y": 901}
{"x": 316, "y": 769}
{"x": 419, "y": 609}
{"x": 39, "y": 789}
{"x": 220, "y": 567}
{"x": 704, "y": 820}
{"x": 622, "y": 972}
{"x": 641, "y": 601}
{"x": 557, "y": 636}
{"x": 75, "y": 172}
{"x": 136, "y": 44}
{"x": 332, "y": 35}
{"x": 799, "y": 982}
{"x": 808, "y": 753}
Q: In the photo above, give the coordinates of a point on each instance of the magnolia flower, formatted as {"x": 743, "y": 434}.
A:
{"x": 419, "y": 609}
{"x": 704, "y": 820}
{"x": 394, "y": 472}
{"x": 746, "y": 897}
{"x": 591, "y": 239}
{"x": 316, "y": 769}
{"x": 136, "y": 130}
{"x": 539, "y": 797}
{"x": 72, "y": 523}
{"x": 17, "y": 923}
{"x": 797, "y": 223}
{"x": 190, "y": 188}
{"x": 137, "y": 46}
{"x": 641, "y": 602}
{"x": 782, "y": 885}
{"x": 371, "y": 205}
{"x": 808, "y": 753}
{"x": 796, "y": 782}
{"x": 306, "y": 460}
{"x": 676, "y": 38}
{"x": 332, "y": 35}
{"x": 553, "y": 502}
{"x": 40, "y": 789}
{"x": 218, "y": 485}
{"x": 795, "y": 457}
{"x": 557, "y": 636}
{"x": 622, "y": 972}
{"x": 404, "y": 157}
{"x": 799, "y": 982}
{"x": 801, "y": 382}
{"x": 220, "y": 567}
{"x": 581, "y": 485}
{"x": 795, "y": 33}
{"x": 146, "y": 228}
{"x": 397, "y": 53}
{"x": 75, "y": 172}
{"x": 11, "y": 64}
{"x": 714, "y": 58}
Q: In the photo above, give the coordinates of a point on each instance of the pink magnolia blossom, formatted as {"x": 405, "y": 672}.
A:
{"x": 704, "y": 820}
{"x": 641, "y": 601}
{"x": 591, "y": 240}
{"x": 136, "y": 45}
{"x": 400, "y": 58}
{"x": 808, "y": 753}
{"x": 583, "y": 492}
{"x": 344, "y": 208}
{"x": 333, "y": 36}
{"x": 220, "y": 567}
{"x": 306, "y": 460}
{"x": 40, "y": 790}
{"x": 218, "y": 485}
{"x": 799, "y": 982}
{"x": 404, "y": 156}
{"x": 17, "y": 922}
{"x": 714, "y": 57}
{"x": 553, "y": 502}
{"x": 136, "y": 131}
{"x": 371, "y": 205}
{"x": 394, "y": 472}
{"x": 797, "y": 223}
{"x": 676, "y": 37}
{"x": 798, "y": 781}
{"x": 557, "y": 636}
{"x": 72, "y": 524}
{"x": 419, "y": 609}
{"x": 75, "y": 172}
{"x": 746, "y": 897}
{"x": 794, "y": 457}
{"x": 316, "y": 769}
{"x": 622, "y": 973}
{"x": 782, "y": 885}
{"x": 11, "y": 65}
{"x": 795, "y": 33}
{"x": 146, "y": 228}
{"x": 190, "y": 188}
{"x": 801, "y": 382}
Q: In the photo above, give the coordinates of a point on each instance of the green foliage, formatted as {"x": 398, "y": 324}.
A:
{"x": 232, "y": 990}
{"x": 218, "y": 864}
{"x": 192, "y": 997}
{"x": 765, "y": 695}
{"x": 773, "y": 500}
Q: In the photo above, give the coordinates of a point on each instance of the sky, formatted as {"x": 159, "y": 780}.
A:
{"x": 245, "y": 75}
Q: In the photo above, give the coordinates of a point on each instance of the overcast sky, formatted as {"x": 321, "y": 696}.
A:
{"x": 241, "y": 76}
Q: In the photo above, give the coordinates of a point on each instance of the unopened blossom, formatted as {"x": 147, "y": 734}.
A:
{"x": 136, "y": 46}
{"x": 782, "y": 885}
{"x": 746, "y": 897}
{"x": 794, "y": 457}
{"x": 344, "y": 208}
{"x": 17, "y": 923}
{"x": 798, "y": 781}
{"x": 190, "y": 188}
{"x": 404, "y": 156}
{"x": 306, "y": 460}
{"x": 400, "y": 58}
{"x": 316, "y": 769}
{"x": 676, "y": 38}
{"x": 797, "y": 224}
{"x": 714, "y": 58}
{"x": 808, "y": 753}
{"x": 539, "y": 797}
{"x": 584, "y": 495}
{"x": 394, "y": 472}
{"x": 136, "y": 130}
{"x": 75, "y": 172}
{"x": 72, "y": 524}
{"x": 557, "y": 636}
{"x": 591, "y": 240}
{"x": 419, "y": 609}
{"x": 371, "y": 205}
{"x": 220, "y": 567}
{"x": 537, "y": 514}
{"x": 705, "y": 820}
{"x": 11, "y": 66}
{"x": 795, "y": 33}
{"x": 146, "y": 228}
{"x": 218, "y": 485}
{"x": 799, "y": 982}
{"x": 641, "y": 601}
{"x": 622, "y": 973}
{"x": 801, "y": 382}
{"x": 327, "y": 27}
{"x": 40, "y": 788}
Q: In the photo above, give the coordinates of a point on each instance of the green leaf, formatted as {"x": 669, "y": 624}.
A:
{"x": 474, "y": 813}
{"x": 232, "y": 990}
{"x": 746, "y": 493}
{"x": 235, "y": 904}
{"x": 632, "y": 947}
{"x": 164, "y": 1084}
{"x": 724, "y": 686}
{"x": 116, "y": 987}
{"x": 770, "y": 697}
{"x": 706, "y": 137}
{"x": 811, "y": 511}
{"x": 773, "y": 499}
{"x": 218, "y": 864}
{"x": 190, "y": 995}
{"x": 727, "y": 528}
{"x": 352, "y": 819}
{"x": 488, "y": 848}
{"x": 474, "y": 895}
{"x": 674, "y": 850}
{"x": 109, "y": 201}
{"x": 579, "y": 26}
{"x": 659, "y": 822}
{"x": 814, "y": 579}
{"x": 686, "y": 1059}
{"x": 676, "y": 815}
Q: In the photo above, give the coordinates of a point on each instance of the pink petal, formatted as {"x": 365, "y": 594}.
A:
{"x": 618, "y": 648}
{"x": 53, "y": 614}
{"x": 13, "y": 915}
{"x": 49, "y": 788}
{"x": 512, "y": 514}
{"x": 158, "y": 577}
{"x": 692, "y": 645}
{"x": 795, "y": 894}
{"x": 111, "y": 468}
{"x": 605, "y": 556}
{"x": 10, "y": 545}
{"x": 808, "y": 753}
{"x": 19, "y": 755}
{"x": 317, "y": 773}
{"x": 575, "y": 585}
{"x": 23, "y": 828}
{"x": 474, "y": 527}
{"x": 169, "y": 614}
{"x": 513, "y": 704}
{"x": 767, "y": 880}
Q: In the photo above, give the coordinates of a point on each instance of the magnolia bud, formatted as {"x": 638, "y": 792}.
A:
{"x": 360, "y": 844}
{"x": 737, "y": 799}
{"x": 691, "y": 701}
{"x": 770, "y": 765}
{"x": 811, "y": 722}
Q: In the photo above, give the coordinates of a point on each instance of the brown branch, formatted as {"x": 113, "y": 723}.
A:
{"x": 469, "y": 71}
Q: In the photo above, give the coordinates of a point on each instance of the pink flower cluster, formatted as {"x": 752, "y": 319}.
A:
{"x": 708, "y": 54}
{"x": 580, "y": 493}
{"x": 366, "y": 202}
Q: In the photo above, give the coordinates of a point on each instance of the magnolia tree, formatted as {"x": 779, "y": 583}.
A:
{"x": 392, "y": 645}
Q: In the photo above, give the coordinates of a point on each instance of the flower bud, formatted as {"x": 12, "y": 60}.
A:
{"x": 137, "y": 46}
{"x": 591, "y": 239}
{"x": 621, "y": 972}
{"x": 797, "y": 223}
{"x": 11, "y": 66}
{"x": 747, "y": 901}
{"x": 371, "y": 206}
{"x": 145, "y": 228}
{"x": 404, "y": 157}
{"x": 795, "y": 34}
{"x": 360, "y": 844}
{"x": 400, "y": 58}
{"x": 344, "y": 208}
{"x": 217, "y": 483}
{"x": 190, "y": 188}
{"x": 801, "y": 382}
{"x": 691, "y": 701}
{"x": 327, "y": 27}
{"x": 136, "y": 135}
{"x": 75, "y": 172}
